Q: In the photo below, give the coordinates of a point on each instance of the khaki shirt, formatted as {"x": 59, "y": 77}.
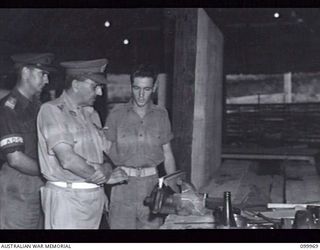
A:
{"x": 137, "y": 141}
{"x": 61, "y": 121}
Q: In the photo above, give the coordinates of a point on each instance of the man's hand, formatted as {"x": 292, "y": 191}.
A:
{"x": 98, "y": 177}
{"x": 117, "y": 176}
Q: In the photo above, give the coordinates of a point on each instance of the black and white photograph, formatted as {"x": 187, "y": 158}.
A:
{"x": 195, "y": 119}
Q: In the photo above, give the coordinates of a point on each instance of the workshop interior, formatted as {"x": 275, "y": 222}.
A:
{"x": 242, "y": 91}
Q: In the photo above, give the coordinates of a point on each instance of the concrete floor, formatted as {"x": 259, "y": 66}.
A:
{"x": 256, "y": 183}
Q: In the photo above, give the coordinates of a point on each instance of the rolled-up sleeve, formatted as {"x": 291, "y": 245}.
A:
{"x": 52, "y": 125}
{"x": 167, "y": 134}
{"x": 11, "y": 138}
{"x": 110, "y": 127}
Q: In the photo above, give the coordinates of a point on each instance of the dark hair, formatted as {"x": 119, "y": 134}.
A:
{"x": 18, "y": 71}
{"x": 70, "y": 78}
{"x": 143, "y": 70}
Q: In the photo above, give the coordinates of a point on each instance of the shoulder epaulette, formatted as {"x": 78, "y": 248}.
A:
{"x": 10, "y": 102}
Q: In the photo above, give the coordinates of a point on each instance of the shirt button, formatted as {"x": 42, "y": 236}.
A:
{"x": 140, "y": 135}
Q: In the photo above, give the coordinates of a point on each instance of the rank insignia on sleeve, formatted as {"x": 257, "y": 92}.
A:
{"x": 11, "y": 102}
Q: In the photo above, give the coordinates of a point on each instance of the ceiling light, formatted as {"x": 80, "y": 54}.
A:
{"x": 276, "y": 15}
{"x": 125, "y": 41}
{"x": 107, "y": 24}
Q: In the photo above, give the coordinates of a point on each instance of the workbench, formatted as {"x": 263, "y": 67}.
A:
{"x": 277, "y": 153}
{"x": 174, "y": 221}
{"x": 207, "y": 221}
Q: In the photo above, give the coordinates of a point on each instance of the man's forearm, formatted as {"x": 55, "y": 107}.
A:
{"x": 23, "y": 163}
{"x": 78, "y": 165}
{"x": 73, "y": 162}
{"x": 170, "y": 165}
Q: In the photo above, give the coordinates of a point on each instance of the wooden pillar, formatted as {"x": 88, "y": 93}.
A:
{"x": 162, "y": 89}
{"x": 287, "y": 87}
{"x": 169, "y": 22}
{"x": 197, "y": 95}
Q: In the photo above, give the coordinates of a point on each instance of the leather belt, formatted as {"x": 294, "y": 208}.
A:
{"x": 139, "y": 171}
{"x": 74, "y": 185}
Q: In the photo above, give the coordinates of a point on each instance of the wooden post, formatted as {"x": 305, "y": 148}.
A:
{"x": 169, "y": 15}
{"x": 162, "y": 89}
{"x": 197, "y": 95}
{"x": 287, "y": 87}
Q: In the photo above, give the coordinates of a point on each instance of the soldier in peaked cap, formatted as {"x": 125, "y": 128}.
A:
{"x": 71, "y": 144}
{"x": 20, "y": 179}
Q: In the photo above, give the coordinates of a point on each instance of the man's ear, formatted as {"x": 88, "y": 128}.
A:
{"x": 25, "y": 72}
{"x": 75, "y": 85}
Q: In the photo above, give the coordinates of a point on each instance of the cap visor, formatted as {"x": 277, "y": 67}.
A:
{"x": 46, "y": 68}
{"x": 99, "y": 78}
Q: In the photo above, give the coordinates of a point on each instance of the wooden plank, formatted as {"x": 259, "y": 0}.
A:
{"x": 207, "y": 119}
{"x": 174, "y": 221}
{"x": 227, "y": 178}
{"x": 276, "y": 193}
{"x": 297, "y": 169}
{"x": 271, "y": 151}
{"x": 168, "y": 44}
{"x": 290, "y": 206}
{"x": 254, "y": 189}
{"x": 197, "y": 94}
{"x": 268, "y": 157}
{"x": 162, "y": 89}
{"x": 302, "y": 184}
{"x": 287, "y": 87}
{"x": 279, "y": 214}
{"x": 303, "y": 191}
{"x": 183, "y": 86}
{"x": 248, "y": 187}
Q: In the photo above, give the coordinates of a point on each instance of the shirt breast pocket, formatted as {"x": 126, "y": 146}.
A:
{"x": 154, "y": 136}
{"x": 78, "y": 132}
{"x": 124, "y": 133}
{"x": 126, "y": 141}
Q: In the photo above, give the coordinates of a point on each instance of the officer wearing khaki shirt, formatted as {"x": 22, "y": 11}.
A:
{"x": 140, "y": 134}
{"x": 20, "y": 180}
{"x": 71, "y": 143}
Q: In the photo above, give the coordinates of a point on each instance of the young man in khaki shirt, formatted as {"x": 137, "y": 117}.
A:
{"x": 140, "y": 135}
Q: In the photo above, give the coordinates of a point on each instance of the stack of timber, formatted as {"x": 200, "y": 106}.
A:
{"x": 272, "y": 124}
{"x": 250, "y": 183}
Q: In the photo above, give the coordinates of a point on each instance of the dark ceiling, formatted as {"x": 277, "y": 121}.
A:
{"x": 78, "y": 34}
{"x": 255, "y": 41}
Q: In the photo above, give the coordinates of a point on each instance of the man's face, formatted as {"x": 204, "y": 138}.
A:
{"x": 88, "y": 91}
{"x": 37, "y": 78}
{"x": 142, "y": 89}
